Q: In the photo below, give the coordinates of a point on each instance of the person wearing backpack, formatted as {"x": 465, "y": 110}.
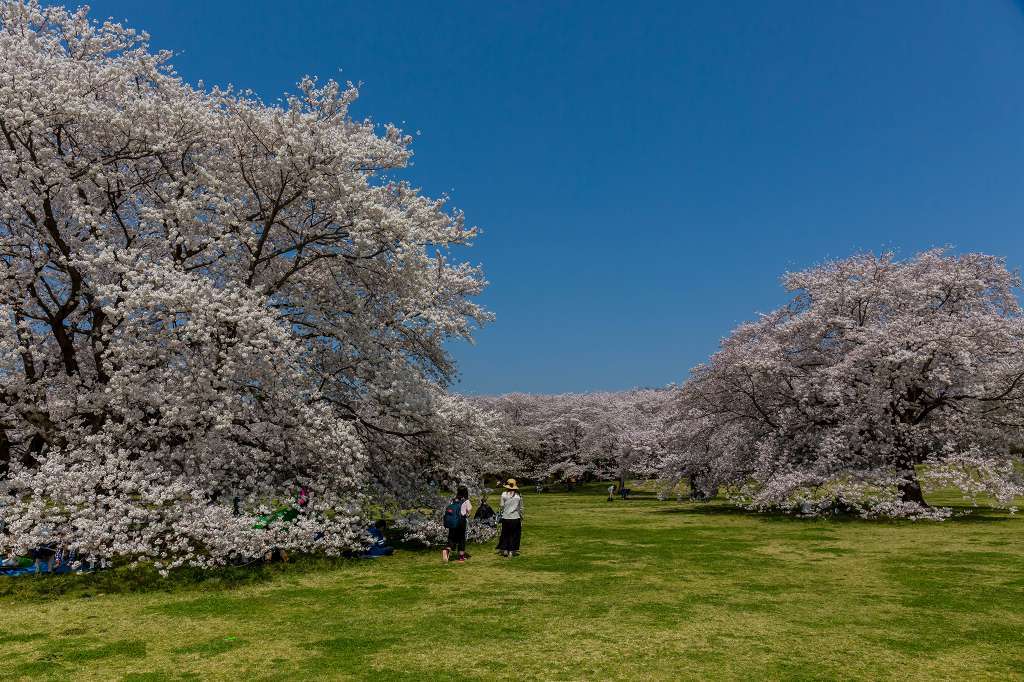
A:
{"x": 511, "y": 519}
{"x": 456, "y": 517}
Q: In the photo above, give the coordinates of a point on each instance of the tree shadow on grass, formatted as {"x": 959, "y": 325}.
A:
{"x": 212, "y": 647}
{"x": 145, "y": 579}
{"x": 640, "y": 496}
{"x": 717, "y": 509}
{"x": 962, "y": 514}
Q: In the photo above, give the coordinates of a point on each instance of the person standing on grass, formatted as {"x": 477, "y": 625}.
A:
{"x": 456, "y": 519}
{"x": 511, "y": 519}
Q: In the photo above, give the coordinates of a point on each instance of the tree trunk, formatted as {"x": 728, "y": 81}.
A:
{"x": 30, "y": 458}
{"x": 702, "y": 490}
{"x": 910, "y": 489}
{"x": 5, "y": 454}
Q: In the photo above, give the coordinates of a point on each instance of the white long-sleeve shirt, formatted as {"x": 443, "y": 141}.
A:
{"x": 511, "y": 505}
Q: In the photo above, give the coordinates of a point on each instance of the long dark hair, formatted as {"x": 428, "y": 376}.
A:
{"x": 462, "y": 493}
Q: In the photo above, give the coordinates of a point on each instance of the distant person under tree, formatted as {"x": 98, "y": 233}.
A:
{"x": 484, "y": 512}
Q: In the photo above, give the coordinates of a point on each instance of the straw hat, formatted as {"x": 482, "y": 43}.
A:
{"x": 511, "y": 485}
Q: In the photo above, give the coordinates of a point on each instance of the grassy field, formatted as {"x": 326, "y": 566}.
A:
{"x": 639, "y": 589}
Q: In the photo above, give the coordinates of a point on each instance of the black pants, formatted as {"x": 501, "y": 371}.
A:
{"x": 511, "y": 534}
{"x": 457, "y": 537}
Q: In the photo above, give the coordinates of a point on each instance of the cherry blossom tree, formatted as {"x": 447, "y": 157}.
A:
{"x": 461, "y": 443}
{"x": 209, "y": 304}
{"x": 878, "y": 377}
{"x": 574, "y": 436}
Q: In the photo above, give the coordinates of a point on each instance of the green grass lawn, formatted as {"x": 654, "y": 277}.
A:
{"x": 639, "y": 589}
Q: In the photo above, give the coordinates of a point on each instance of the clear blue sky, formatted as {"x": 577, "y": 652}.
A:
{"x": 645, "y": 172}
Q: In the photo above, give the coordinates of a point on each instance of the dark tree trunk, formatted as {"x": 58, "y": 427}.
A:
{"x": 910, "y": 489}
{"x": 5, "y": 453}
{"x": 699, "y": 490}
{"x": 29, "y": 458}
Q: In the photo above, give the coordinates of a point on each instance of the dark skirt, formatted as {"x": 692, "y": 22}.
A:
{"x": 511, "y": 534}
{"x": 457, "y": 537}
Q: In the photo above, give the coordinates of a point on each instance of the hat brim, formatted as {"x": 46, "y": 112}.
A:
{"x": 511, "y": 487}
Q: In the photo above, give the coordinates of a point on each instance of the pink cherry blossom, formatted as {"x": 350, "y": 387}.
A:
{"x": 878, "y": 373}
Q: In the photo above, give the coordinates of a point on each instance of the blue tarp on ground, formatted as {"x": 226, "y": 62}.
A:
{"x": 379, "y": 546}
{"x": 32, "y": 570}
{"x": 22, "y": 565}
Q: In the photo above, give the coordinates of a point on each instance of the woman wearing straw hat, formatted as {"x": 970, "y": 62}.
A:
{"x": 511, "y": 519}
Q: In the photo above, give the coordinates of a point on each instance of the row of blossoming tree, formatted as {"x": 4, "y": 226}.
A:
{"x": 878, "y": 379}
{"x": 575, "y": 437}
{"x": 210, "y": 304}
